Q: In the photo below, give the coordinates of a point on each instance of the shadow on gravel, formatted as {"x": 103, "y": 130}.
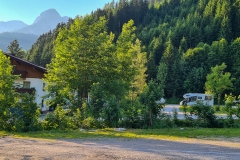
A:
{"x": 175, "y": 150}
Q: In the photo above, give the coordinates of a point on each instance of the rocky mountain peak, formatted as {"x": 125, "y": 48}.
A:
{"x": 46, "y": 15}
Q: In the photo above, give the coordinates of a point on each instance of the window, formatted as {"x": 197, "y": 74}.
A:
{"x": 199, "y": 98}
{"x": 208, "y": 98}
{"x": 42, "y": 104}
{"x": 14, "y": 67}
{"x": 193, "y": 99}
{"x": 44, "y": 84}
{"x": 26, "y": 84}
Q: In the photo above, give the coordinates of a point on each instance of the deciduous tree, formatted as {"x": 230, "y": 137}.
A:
{"x": 8, "y": 96}
{"x": 218, "y": 81}
{"x": 84, "y": 55}
{"x": 148, "y": 98}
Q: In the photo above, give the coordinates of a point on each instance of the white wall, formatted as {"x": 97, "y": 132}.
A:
{"x": 36, "y": 83}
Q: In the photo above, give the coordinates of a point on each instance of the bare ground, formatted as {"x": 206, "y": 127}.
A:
{"x": 115, "y": 148}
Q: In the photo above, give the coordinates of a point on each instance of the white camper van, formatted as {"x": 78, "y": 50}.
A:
{"x": 191, "y": 99}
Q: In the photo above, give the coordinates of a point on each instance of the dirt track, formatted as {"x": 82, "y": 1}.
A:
{"x": 101, "y": 149}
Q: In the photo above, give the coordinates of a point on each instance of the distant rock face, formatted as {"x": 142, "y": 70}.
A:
{"x": 45, "y": 22}
{"x": 11, "y": 26}
{"x": 28, "y": 34}
{"x": 47, "y": 15}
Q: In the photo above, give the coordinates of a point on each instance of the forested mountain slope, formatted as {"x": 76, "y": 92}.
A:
{"x": 183, "y": 39}
{"x": 26, "y": 40}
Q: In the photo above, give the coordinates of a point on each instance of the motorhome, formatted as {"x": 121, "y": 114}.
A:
{"x": 192, "y": 98}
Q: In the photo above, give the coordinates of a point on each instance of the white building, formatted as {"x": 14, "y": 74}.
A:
{"x": 30, "y": 80}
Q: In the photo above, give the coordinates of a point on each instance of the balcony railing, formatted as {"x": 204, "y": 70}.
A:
{"x": 26, "y": 90}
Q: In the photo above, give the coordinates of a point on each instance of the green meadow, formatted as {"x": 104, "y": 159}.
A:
{"x": 169, "y": 134}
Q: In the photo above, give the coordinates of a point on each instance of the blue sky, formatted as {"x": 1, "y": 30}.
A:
{"x": 28, "y": 10}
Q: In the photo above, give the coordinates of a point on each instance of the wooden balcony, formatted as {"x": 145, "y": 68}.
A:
{"x": 26, "y": 90}
{"x": 21, "y": 73}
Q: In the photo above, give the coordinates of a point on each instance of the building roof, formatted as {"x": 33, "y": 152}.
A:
{"x": 26, "y": 62}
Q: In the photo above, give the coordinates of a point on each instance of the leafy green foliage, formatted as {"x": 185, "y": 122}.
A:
{"x": 81, "y": 53}
{"x": 148, "y": 98}
{"x": 90, "y": 123}
{"x": 88, "y": 60}
{"x": 57, "y": 120}
{"x": 26, "y": 114}
{"x": 8, "y": 95}
{"x": 98, "y": 98}
{"x": 197, "y": 36}
{"x": 183, "y": 41}
{"x": 132, "y": 114}
{"x": 218, "y": 81}
{"x": 204, "y": 113}
{"x": 232, "y": 107}
{"x": 111, "y": 112}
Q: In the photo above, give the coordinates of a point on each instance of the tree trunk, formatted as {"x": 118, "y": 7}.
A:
{"x": 219, "y": 98}
{"x": 150, "y": 117}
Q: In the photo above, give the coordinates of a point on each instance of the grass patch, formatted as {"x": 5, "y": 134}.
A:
{"x": 3, "y": 134}
{"x": 170, "y": 134}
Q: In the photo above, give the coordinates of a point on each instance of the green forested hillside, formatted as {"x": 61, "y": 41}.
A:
{"x": 183, "y": 39}
{"x": 41, "y": 51}
{"x": 25, "y": 40}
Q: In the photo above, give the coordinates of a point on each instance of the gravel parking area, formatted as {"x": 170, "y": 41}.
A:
{"x": 114, "y": 148}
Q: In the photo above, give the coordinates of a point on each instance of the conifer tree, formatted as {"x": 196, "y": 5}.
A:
{"x": 15, "y": 49}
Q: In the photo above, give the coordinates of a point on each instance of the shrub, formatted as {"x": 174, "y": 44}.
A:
{"x": 89, "y": 122}
{"x": 57, "y": 120}
{"x": 111, "y": 112}
{"x": 205, "y": 114}
{"x": 24, "y": 115}
{"x": 132, "y": 114}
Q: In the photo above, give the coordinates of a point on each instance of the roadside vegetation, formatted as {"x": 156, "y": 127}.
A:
{"x": 110, "y": 77}
{"x": 221, "y": 111}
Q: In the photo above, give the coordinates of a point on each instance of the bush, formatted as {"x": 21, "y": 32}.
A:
{"x": 90, "y": 122}
{"x": 132, "y": 114}
{"x": 24, "y": 116}
{"x": 217, "y": 108}
{"x": 57, "y": 120}
{"x": 111, "y": 112}
{"x": 205, "y": 114}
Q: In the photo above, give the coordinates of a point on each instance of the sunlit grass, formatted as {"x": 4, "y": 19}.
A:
{"x": 170, "y": 134}
{"x": 3, "y": 134}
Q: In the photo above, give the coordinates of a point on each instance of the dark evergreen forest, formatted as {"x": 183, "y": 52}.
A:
{"x": 187, "y": 37}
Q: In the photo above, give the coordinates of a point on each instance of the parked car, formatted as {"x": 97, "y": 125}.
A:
{"x": 161, "y": 101}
